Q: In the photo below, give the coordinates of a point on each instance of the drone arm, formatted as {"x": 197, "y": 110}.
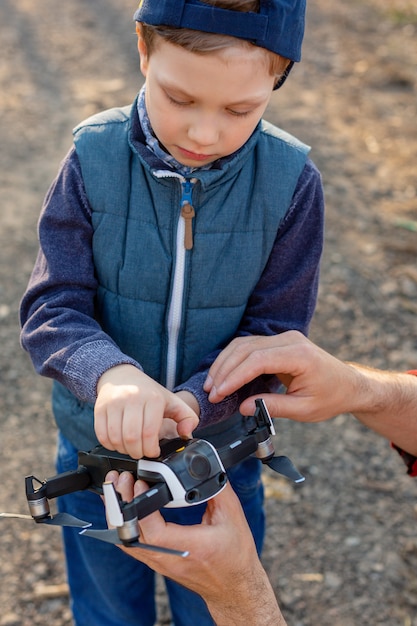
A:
{"x": 68, "y": 482}
{"x": 59, "y": 485}
{"x": 237, "y": 451}
{"x": 125, "y": 515}
{"x": 152, "y": 500}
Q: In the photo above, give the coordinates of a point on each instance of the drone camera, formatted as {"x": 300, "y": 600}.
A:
{"x": 192, "y": 470}
{"x": 199, "y": 470}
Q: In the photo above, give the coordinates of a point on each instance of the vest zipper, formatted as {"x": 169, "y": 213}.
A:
{"x": 175, "y": 314}
{"x": 187, "y": 212}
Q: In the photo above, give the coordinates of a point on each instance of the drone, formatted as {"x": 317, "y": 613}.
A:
{"x": 187, "y": 472}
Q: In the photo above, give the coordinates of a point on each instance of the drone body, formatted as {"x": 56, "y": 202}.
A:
{"x": 186, "y": 473}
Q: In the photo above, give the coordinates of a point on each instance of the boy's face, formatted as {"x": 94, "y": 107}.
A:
{"x": 200, "y": 107}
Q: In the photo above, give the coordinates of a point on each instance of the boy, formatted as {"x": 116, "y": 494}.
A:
{"x": 173, "y": 226}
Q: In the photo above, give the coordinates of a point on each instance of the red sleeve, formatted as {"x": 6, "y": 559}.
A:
{"x": 409, "y": 459}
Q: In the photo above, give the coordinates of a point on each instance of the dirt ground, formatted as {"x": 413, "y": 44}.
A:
{"x": 341, "y": 549}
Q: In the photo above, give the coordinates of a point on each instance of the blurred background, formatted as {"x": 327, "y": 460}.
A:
{"x": 341, "y": 549}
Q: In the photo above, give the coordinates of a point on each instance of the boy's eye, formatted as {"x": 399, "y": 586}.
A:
{"x": 176, "y": 102}
{"x": 183, "y": 103}
{"x": 238, "y": 113}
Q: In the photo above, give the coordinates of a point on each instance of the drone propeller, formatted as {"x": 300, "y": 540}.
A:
{"x": 65, "y": 519}
{"x": 115, "y": 518}
{"x": 283, "y": 465}
{"x": 111, "y": 535}
{"x": 60, "y": 519}
{"x": 15, "y": 516}
{"x": 265, "y": 450}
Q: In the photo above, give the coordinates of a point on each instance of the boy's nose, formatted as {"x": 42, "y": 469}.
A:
{"x": 203, "y": 132}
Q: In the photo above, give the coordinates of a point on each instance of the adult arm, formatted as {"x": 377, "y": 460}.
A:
{"x": 222, "y": 566}
{"x": 319, "y": 386}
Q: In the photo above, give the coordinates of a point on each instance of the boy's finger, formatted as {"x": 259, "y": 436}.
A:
{"x": 187, "y": 425}
{"x": 185, "y": 418}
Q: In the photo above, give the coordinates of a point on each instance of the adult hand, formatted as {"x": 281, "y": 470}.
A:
{"x": 319, "y": 386}
{"x": 130, "y": 410}
{"x": 222, "y": 557}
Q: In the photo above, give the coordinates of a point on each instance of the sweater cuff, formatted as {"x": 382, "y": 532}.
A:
{"x": 88, "y": 363}
{"x": 209, "y": 413}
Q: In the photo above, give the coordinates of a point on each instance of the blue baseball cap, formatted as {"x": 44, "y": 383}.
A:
{"x": 278, "y": 27}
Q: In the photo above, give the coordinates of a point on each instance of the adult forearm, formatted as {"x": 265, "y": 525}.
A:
{"x": 386, "y": 402}
{"x": 251, "y": 601}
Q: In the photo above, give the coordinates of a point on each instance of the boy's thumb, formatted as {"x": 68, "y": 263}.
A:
{"x": 186, "y": 425}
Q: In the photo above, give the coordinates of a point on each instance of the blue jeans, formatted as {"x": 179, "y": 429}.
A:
{"x": 110, "y": 588}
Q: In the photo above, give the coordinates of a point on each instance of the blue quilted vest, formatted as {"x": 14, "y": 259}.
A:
{"x": 135, "y": 213}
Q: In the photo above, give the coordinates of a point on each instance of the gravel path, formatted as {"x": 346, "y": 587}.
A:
{"x": 341, "y": 549}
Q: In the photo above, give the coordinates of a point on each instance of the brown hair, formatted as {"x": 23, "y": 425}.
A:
{"x": 202, "y": 43}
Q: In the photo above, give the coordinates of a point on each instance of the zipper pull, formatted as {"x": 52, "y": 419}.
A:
{"x": 188, "y": 213}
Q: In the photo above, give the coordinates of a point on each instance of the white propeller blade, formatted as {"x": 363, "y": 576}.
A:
{"x": 114, "y": 514}
{"x": 15, "y": 516}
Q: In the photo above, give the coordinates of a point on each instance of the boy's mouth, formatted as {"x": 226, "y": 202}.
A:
{"x": 195, "y": 156}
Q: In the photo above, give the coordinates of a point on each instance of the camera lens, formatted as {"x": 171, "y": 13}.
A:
{"x": 198, "y": 466}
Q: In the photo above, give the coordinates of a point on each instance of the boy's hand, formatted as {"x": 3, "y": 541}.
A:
{"x": 130, "y": 409}
{"x": 169, "y": 427}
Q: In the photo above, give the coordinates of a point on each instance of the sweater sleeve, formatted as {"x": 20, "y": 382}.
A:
{"x": 285, "y": 296}
{"x": 57, "y": 312}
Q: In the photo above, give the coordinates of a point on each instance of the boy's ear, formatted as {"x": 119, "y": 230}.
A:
{"x": 143, "y": 52}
